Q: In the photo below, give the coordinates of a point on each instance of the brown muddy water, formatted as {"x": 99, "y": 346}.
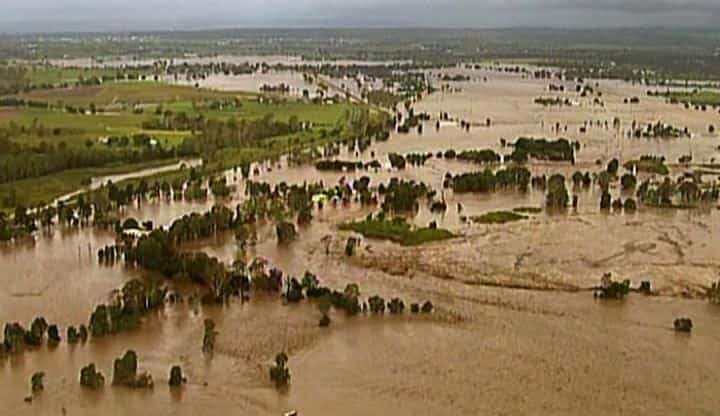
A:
{"x": 515, "y": 331}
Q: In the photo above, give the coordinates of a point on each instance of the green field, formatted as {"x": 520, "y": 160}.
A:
{"x": 127, "y": 92}
{"x": 707, "y": 98}
{"x": 45, "y": 189}
{"x": 46, "y": 74}
{"x": 33, "y": 127}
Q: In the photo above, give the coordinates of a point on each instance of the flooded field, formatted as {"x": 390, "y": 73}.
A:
{"x": 516, "y": 329}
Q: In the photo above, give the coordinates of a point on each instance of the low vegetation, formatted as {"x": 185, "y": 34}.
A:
{"x": 497, "y": 217}
{"x": 397, "y": 230}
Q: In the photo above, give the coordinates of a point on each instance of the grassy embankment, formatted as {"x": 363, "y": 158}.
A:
{"x": 397, "y": 231}
{"x": 497, "y": 217}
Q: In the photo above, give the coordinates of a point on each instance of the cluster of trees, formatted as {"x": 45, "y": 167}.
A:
{"x": 557, "y": 197}
{"x": 513, "y": 177}
{"x": 129, "y": 305}
{"x": 454, "y": 78}
{"x": 686, "y": 191}
{"x": 125, "y": 372}
{"x": 16, "y": 338}
{"x": 344, "y": 165}
{"x": 660, "y": 130}
{"x": 612, "y": 289}
{"x": 649, "y": 164}
{"x": 383, "y": 98}
{"x": 23, "y": 162}
{"x": 135, "y": 140}
{"x": 542, "y": 149}
{"x": 402, "y": 196}
{"x": 553, "y": 101}
{"x": 476, "y": 156}
{"x": 617, "y": 205}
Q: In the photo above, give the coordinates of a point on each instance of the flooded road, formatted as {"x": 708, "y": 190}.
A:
{"x": 515, "y": 329}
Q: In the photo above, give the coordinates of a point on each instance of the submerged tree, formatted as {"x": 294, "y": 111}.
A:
{"x": 557, "y": 196}
{"x": 285, "y": 232}
{"x": 280, "y": 373}
{"x": 176, "y": 376}
{"x": 209, "y": 336}
{"x": 36, "y": 382}
{"x": 91, "y": 378}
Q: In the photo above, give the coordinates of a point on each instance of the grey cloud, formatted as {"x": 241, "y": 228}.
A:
{"x": 172, "y": 14}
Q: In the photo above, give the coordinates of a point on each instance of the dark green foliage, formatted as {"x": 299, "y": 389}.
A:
{"x": 657, "y": 194}
{"x": 377, "y": 305}
{"x": 100, "y": 322}
{"x": 610, "y": 289}
{"x": 528, "y": 210}
{"x": 683, "y": 325}
{"x": 36, "y": 382}
{"x": 649, "y": 164}
{"x": 402, "y": 196}
{"x": 513, "y": 177}
{"x": 350, "y": 300}
{"x": 280, "y": 373}
{"x": 350, "y": 246}
{"x": 125, "y": 369}
{"x": 311, "y": 284}
{"x": 209, "y": 336}
{"x": 339, "y": 165}
{"x": 542, "y": 149}
{"x": 557, "y": 197}
{"x": 285, "y": 232}
{"x": 414, "y": 308}
{"x": 605, "y": 201}
{"x": 294, "y": 291}
{"x": 553, "y": 101}
{"x": 15, "y": 335}
{"x": 478, "y": 156}
{"x": 270, "y": 282}
{"x": 398, "y": 231}
{"x": 53, "y": 335}
{"x": 176, "y": 376}
{"x": 427, "y": 307}
{"x": 497, "y": 217}
{"x": 397, "y": 161}
{"x": 91, "y": 378}
{"x": 660, "y": 131}
{"x": 37, "y": 331}
{"x": 73, "y": 337}
{"x": 613, "y": 166}
{"x": 630, "y": 205}
{"x": 83, "y": 333}
{"x": 628, "y": 182}
{"x": 396, "y": 306}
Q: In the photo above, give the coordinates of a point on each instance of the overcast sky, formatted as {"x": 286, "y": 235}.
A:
{"x": 119, "y": 15}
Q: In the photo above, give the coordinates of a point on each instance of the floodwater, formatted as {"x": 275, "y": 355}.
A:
{"x": 515, "y": 329}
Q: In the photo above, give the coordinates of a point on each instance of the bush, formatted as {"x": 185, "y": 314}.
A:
{"x": 279, "y": 373}
{"x": 176, "y": 377}
{"x": 91, "y": 378}
{"x": 683, "y": 324}
{"x": 557, "y": 196}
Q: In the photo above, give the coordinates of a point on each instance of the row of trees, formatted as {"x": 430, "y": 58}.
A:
{"x": 513, "y": 177}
